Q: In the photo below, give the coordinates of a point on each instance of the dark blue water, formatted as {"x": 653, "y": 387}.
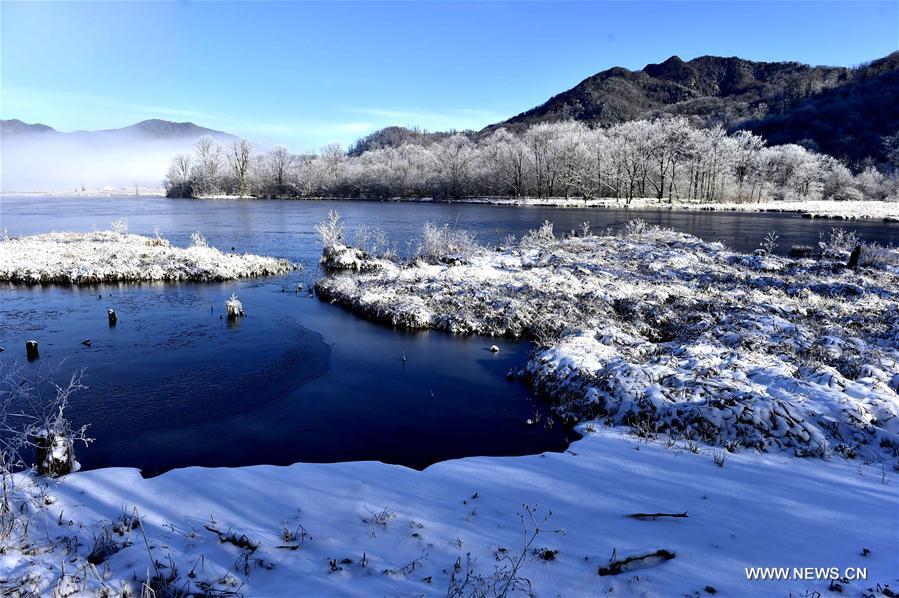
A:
{"x": 173, "y": 384}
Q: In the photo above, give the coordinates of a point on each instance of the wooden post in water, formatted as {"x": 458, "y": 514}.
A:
{"x": 112, "y": 317}
{"x": 31, "y": 350}
{"x": 853, "y": 258}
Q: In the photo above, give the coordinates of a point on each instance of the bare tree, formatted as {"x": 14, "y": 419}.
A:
{"x": 239, "y": 156}
{"x": 279, "y": 163}
{"x": 208, "y": 165}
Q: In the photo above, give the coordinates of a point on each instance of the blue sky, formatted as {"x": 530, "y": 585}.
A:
{"x": 305, "y": 74}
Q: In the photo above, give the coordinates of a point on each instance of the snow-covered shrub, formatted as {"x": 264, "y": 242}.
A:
{"x": 157, "y": 240}
{"x": 585, "y": 228}
{"x": 331, "y": 232}
{"x": 635, "y": 227}
{"x": 539, "y": 236}
{"x": 440, "y": 243}
{"x": 34, "y": 433}
{"x": 374, "y": 242}
{"x": 119, "y": 227}
{"x": 198, "y": 240}
{"x": 769, "y": 243}
{"x": 874, "y": 255}
{"x": 840, "y": 240}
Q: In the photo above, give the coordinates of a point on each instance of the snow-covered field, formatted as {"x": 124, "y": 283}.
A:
{"x": 887, "y": 211}
{"x": 371, "y": 529}
{"x": 667, "y": 333}
{"x": 115, "y": 256}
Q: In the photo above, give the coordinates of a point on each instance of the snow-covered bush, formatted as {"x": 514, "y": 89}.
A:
{"x": 120, "y": 227}
{"x": 198, "y": 240}
{"x": 34, "y": 435}
{"x": 439, "y": 243}
{"x": 374, "y": 242}
{"x": 874, "y": 255}
{"x": 769, "y": 242}
{"x": 157, "y": 240}
{"x": 838, "y": 242}
{"x": 635, "y": 227}
{"x": 538, "y": 236}
{"x": 331, "y": 232}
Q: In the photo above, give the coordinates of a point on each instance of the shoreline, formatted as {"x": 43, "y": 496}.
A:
{"x": 869, "y": 210}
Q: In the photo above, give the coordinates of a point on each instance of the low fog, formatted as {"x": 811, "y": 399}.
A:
{"x": 57, "y": 163}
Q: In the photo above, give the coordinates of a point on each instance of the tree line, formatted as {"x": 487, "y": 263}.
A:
{"x": 666, "y": 159}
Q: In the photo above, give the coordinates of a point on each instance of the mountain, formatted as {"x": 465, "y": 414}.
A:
{"x": 9, "y": 128}
{"x": 784, "y": 101}
{"x": 36, "y": 157}
{"x": 150, "y": 129}
{"x": 848, "y": 121}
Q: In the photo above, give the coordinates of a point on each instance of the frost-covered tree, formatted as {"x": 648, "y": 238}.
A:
{"x": 660, "y": 158}
{"x": 453, "y": 160}
{"x": 279, "y": 161}
{"x": 207, "y": 166}
{"x": 178, "y": 178}
{"x": 239, "y": 156}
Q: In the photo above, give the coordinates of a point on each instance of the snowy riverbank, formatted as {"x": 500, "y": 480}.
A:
{"x": 373, "y": 529}
{"x": 667, "y": 333}
{"x": 110, "y": 256}
{"x": 887, "y": 211}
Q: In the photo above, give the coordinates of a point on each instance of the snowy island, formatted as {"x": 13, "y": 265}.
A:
{"x": 117, "y": 256}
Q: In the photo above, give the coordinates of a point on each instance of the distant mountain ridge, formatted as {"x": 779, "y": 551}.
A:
{"x": 843, "y": 111}
{"x": 37, "y": 157}
{"x": 152, "y": 129}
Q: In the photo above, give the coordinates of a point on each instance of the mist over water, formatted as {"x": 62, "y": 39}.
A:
{"x": 55, "y": 163}
{"x": 63, "y": 163}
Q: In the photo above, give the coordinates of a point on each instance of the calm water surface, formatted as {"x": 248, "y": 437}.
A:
{"x": 173, "y": 384}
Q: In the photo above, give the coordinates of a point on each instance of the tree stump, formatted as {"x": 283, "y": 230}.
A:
{"x": 54, "y": 455}
{"x": 31, "y": 350}
{"x": 112, "y": 317}
{"x": 853, "y": 258}
{"x": 234, "y": 307}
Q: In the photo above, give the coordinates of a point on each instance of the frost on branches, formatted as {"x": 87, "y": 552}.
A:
{"x": 117, "y": 256}
{"x": 666, "y": 333}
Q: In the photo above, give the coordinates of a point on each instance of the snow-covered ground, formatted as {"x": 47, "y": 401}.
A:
{"x": 371, "y": 529}
{"x": 887, "y": 211}
{"x": 667, "y": 333}
{"x": 113, "y": 256}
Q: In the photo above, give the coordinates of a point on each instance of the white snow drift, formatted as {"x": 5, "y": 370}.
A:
{"x": 370, "y": 529}
{"x": 117, "y": 256}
